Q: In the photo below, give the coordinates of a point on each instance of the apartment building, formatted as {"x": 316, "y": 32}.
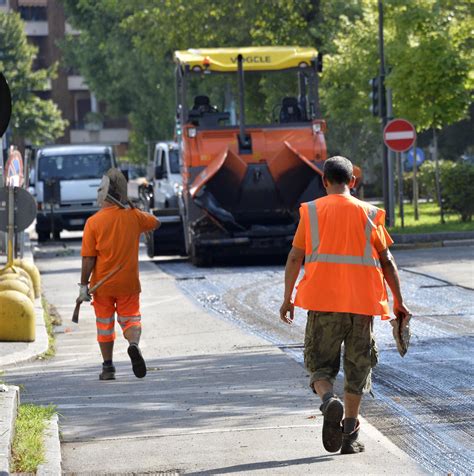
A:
{"x": 45, "y": 25}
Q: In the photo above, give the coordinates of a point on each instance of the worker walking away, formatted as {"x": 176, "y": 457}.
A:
{"x": 344, "y": 245}
{"x": 110, "y": 240}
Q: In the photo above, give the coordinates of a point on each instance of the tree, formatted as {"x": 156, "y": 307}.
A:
{"x": 429, "y": 53}
{"x": 430, "y": 60}
{"x": 33, "y": 118}
{"x": 125, "y": 48}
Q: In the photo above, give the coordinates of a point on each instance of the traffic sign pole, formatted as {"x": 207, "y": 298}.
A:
{"x": 415, "y": 184}
{"x": 401, "y": 211}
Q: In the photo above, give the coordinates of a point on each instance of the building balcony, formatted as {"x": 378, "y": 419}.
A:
{"x": 112, "y": 131}
{"x": 36, "y": 28}
{"x": 76, "y": 83}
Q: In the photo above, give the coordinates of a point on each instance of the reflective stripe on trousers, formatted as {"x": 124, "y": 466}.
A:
{"x": 367, "y": 259}
{"x": 127, "y": 321}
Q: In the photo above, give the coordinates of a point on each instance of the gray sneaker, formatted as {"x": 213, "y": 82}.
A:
{"x": 350, "y": 442}
{"x": 333, "y": 411}
{"x": 108, "y": 372}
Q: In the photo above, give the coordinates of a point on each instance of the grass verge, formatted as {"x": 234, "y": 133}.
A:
{"x": 429, "y": 220}
{"x": 51, "y": 319}
{"x": 28, "y": 447}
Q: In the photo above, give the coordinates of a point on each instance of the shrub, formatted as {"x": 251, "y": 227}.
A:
{"x": 427, "y": 177}
{"x": 457, "y": 188}
{"x": 407, "y": 185}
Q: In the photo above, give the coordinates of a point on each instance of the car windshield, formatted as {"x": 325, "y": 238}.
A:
{"x": 74, "y": 167}
{"x": 174, "y": 161}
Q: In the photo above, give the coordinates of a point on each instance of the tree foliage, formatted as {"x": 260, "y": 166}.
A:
{"x": 125, "y": 52}
{"x": 36, "y": 119}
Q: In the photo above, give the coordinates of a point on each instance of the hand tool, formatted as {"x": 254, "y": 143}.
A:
{"x": 75, "y": 314}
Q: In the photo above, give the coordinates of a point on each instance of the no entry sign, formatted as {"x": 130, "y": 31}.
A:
{"x": 399, "y": 135}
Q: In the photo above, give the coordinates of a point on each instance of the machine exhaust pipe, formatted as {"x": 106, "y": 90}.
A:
{"x": 244, "y": 141}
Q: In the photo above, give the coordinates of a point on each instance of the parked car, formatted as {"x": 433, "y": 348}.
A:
{"x": 64, "y": 181}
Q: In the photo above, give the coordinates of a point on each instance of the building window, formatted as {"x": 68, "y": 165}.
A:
{"x": 41, "y": 60}
{"x": 82, "y": 107}
{"x": 33, "y": 13}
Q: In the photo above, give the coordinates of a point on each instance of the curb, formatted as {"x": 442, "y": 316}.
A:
{"x": 9, "y": 401}
{"x": 432, "y": 244}
{"x": 52, "y": 446}
{"x": 438, "y": 237}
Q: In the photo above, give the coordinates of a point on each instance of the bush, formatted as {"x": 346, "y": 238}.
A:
{"x": 427, "y": 179}
{"x": 457, "y": 190}
{"x": 407, "y": 186}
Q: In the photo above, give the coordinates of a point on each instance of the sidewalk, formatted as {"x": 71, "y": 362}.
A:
{"x": 216, "y": 399}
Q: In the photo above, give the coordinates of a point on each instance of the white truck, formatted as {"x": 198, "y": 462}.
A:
{"x": 64, "y": 182}
{"x": 161, "y": 197}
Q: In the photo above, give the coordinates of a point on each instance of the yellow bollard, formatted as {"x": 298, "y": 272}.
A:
{"x": 32, "y": 270}
{"x": 17, "y": 285}
{"x": 17, "y": 317}
{"x": 19, "y": 273}
{"x": 17, "y": 277}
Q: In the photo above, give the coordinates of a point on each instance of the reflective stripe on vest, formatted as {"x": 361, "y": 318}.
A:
{"x": 367, "y": 259}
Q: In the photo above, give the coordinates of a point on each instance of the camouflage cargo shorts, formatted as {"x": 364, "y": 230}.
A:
{"x": 325, "y": 333}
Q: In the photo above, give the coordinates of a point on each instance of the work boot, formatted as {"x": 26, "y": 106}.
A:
{"x": 351, "y": 443}
{"x": 108, "y": 372}
{"x": 333, "y": 411}
{"x": 138, "y": 363}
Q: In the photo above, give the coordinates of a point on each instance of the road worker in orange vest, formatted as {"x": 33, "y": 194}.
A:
{"x": 110, "y": 240}
{"x": 344, "y": 245}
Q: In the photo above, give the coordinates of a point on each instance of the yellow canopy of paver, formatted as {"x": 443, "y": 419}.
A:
{"x": 264, "y": 58}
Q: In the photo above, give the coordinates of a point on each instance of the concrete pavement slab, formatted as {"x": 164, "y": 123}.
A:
{"x": 216, "y": 400}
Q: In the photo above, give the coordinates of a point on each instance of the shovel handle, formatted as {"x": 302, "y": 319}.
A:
{"x": 75, "y": 314}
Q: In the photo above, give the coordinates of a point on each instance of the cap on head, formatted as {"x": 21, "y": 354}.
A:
{"x": 338, "y": 170}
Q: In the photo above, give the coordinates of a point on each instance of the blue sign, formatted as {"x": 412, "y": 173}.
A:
{"x": 420, "y": 157}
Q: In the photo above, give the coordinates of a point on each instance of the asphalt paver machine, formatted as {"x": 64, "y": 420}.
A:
{"x": 251, "y": 145}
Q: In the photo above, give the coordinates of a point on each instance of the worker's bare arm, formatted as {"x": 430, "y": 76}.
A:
{"x": 390, "y": 273}
{"x": 292, "y": 270}
{"x": 88, "y": 264}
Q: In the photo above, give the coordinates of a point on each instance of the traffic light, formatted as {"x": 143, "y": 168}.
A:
{"x": 377, "y": 96}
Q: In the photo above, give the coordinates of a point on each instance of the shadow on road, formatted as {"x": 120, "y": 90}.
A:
{"x": 239, "y": 468}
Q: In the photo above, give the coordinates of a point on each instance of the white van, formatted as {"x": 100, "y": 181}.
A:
{"x": 64, "y": 181}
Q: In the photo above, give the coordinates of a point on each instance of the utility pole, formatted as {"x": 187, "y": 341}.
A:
{"x": 387, "y": 196}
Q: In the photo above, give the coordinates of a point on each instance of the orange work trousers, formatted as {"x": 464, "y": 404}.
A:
{"x": 127, "y": 309}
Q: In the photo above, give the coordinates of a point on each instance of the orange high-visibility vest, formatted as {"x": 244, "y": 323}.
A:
{"x": 342, "y": 268}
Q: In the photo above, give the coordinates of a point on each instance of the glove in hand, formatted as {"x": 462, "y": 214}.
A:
{"x": 84, "y": 295}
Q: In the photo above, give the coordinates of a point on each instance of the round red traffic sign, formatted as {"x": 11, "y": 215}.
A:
{"x": 399, "y": 135}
